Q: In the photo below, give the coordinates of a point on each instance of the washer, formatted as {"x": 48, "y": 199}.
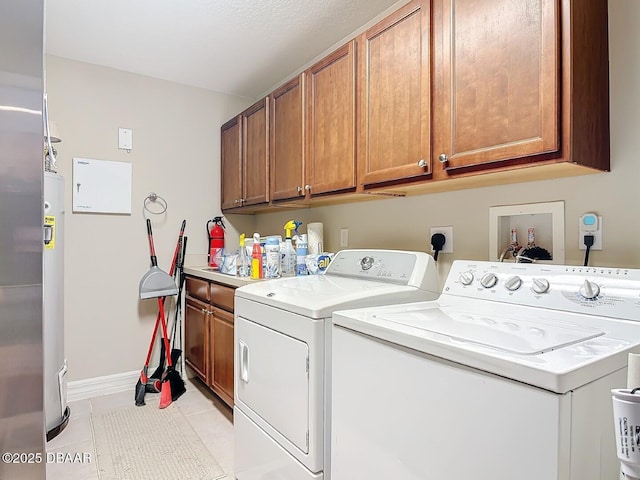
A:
{"x": 507, "y": 375}
{"x": 283, "y": 352}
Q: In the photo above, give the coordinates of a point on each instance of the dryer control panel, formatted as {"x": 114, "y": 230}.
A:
{"x": 609, "y": 292}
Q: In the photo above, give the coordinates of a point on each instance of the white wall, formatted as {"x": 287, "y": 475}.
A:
{"x": 176, "y": 154}
{"x": 404, "y": 223}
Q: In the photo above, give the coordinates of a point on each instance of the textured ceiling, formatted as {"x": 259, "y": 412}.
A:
{"x": 242, "y": 47}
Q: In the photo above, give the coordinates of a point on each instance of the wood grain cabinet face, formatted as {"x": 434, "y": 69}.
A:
{"x": 394, "y": 135}
{"x": 222, "y": 383}
{"x": 231, "y": 164}
{"x": 196, "y": 332}
{"x": 496, "y": 81}
{"x": 255, "y": 128}
{"x": 331, "y": 124}
{"x": 208, "y": 342}
{"x": 287, "y": 159}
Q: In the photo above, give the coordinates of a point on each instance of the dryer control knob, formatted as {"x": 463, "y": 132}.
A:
{"x": 513, "y": 283}
{"x": 488, "y": 280}
{"x": 589, "y": 290}
{"x": 466, "y": 278}
{"x": 540, "y": 285}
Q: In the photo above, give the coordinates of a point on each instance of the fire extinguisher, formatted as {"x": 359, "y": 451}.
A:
{"x": 216, "y": 239}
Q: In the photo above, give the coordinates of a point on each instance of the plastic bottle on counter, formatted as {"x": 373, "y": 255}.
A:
{"x": 289, "y": 254}
{"x": 256, "y": 258}
{"x": 301, "y": 255}
{"x": 243, "y": 264}
{"x": 272, "y": 251}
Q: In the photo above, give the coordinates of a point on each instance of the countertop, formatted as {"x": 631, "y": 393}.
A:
{"x": 204, "y": 271}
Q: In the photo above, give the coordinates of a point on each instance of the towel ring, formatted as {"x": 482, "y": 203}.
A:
{"x": 154, "y": 198}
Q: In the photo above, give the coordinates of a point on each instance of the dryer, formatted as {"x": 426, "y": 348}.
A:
{"x": 283, "y": 352}
{"x": 507, "y": 375}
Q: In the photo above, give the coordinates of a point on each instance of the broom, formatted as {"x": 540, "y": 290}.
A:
{"x": 172, "y": 383}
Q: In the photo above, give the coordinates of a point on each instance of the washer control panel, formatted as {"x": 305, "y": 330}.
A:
{"x": 611, "y": 292}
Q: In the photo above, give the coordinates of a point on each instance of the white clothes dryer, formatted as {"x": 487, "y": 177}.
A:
{"x": 283, "y": 353}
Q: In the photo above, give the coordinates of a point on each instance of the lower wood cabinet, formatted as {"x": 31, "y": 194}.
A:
{"x": 208, "y": 329}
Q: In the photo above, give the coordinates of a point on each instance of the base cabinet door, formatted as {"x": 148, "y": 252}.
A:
{"x": 222, "y": 361}
{"x": 196, "y": 332}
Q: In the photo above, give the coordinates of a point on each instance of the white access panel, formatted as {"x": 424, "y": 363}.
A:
{"x": 404, "y": 415}
{"x": 282, "y": 399}
{"x": 257, "y": 456}
{"x": 101, "y": 186}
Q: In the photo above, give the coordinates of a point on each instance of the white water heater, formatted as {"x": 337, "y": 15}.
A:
{"x": 55, "y": 365}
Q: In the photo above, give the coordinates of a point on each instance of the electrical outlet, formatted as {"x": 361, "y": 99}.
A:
{"x": 344, "y": 237}
{"x": 448, "y": 235}
{"x": 594, "y": 229}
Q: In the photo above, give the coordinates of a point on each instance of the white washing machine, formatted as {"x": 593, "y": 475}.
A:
{"x": 283, "y": 352}
{"x": 506, "y": 376}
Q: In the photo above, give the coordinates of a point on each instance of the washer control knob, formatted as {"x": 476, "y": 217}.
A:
{"x": 466, "y": 278}
{"x": 488, "y": 280}
{"x": 589, "y": 290}
{"x": 540, "y": 285}
{"x": 366, "y": 263}
{"x": 513, "y": 283}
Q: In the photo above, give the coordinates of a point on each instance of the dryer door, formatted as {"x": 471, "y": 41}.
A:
{"x": 272, "y": 379}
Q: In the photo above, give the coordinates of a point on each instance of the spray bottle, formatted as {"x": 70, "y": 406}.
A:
{"x": 289, "y": 254}
{"x": 256, "y": 258}
{"x": 243, "y": 265}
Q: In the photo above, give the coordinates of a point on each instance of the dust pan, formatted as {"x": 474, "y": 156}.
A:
{"x": 157, "y": 283}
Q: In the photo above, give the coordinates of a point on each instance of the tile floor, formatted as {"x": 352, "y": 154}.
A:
{"x": 207, "y": 414}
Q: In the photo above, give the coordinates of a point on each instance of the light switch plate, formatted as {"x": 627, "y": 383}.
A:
{"x": 125, "y": 138}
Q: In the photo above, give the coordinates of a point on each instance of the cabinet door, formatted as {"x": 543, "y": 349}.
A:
{"x": 331, "y": 122}
{"x": 496, "y": 82}
{"x": 394, "y": 97}
{"x": 222, "y": 358}
{"x": 287, "y": 141}
{"x": 255, "y": 128}
{"x": 196, "y": 336}
{"x": 231, "y": 163}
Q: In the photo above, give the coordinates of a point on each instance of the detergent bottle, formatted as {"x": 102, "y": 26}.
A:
{"x": 243, "y": 265}
{"x": 289, "y": 254}
{"x": 256, "y": 258}
{"x": 216, "y": 239}
{"x": 301, "y": 252}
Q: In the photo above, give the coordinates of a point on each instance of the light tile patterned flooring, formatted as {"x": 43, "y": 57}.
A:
{"x": 207, "y": 414}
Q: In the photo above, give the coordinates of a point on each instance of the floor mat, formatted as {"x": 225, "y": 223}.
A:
{"x": 146, "y": 443}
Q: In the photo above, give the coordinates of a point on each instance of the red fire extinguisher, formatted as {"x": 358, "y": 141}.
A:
{"x": 216, "y": 239}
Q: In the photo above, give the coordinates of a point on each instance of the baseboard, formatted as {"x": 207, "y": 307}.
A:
{"x": 92, "y": 387}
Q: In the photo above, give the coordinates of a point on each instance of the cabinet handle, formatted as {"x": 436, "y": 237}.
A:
{"x": 244, "y": 361}
{"x": 204, "y": 310}
{"x": 307, "y": 187}
{"x": 422, "y": 163}
{"x": 241, "y": 201}
{"x": 299, "y": 189}
{"x": 236, "y": 201}
{"x": 443, "y": 158}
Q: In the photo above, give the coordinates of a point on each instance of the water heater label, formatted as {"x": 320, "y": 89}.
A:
{"x": 49, "y": 232}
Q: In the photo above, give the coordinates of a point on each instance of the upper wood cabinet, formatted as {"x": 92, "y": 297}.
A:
{"x": 231, "y": 164}
{"x": 507, "y": 82}
{"x": 331, "y": 123}
{"x": 245, "y": 158}
{"x": 255, "y": 155}
{"x": 394, "y": 135}
{"x": 287, "y": 158}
